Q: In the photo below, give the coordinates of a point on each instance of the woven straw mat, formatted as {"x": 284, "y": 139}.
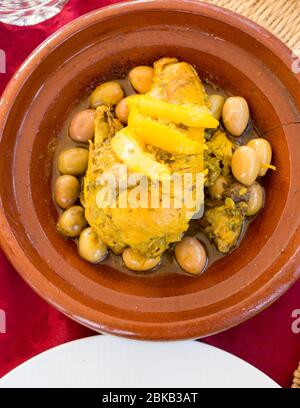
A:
{"x": 281, "y": 17}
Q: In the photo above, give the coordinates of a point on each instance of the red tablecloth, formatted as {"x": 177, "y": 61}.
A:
{"x": 266, "y": 341}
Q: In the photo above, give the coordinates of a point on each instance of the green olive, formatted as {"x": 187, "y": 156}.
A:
{"x": 264, "y": 152}
{"x": 122, "y": 111}
{"x": 66, "y": 191}
{"x": 235, "y": 115}
{"x": 216, "y": 105}
{"x": 217, "y": 189}
{"x": 191, "y": 255}
{"x": 109, "y": 93}
{"x": 91, "y": 248}
{"x": 73, "y": 161}
{"x": 245, "y": 165}
{"x": 82, "y": 126}
{"x": 72, "y": 221}
{"x": 136, "y": 262}
{"x": 141, "y": 78}
{"x": 256, "y": 198}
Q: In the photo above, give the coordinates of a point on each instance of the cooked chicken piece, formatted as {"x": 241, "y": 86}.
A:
{"x": 177, "y": 82}
{"x": 225, "y": 223}
{"x": 149, "y": 231}
{"x": 217, "y": 157}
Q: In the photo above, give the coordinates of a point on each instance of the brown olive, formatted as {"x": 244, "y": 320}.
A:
{"x": 245, "y": 165}
{"x": 73, "y": 161}
{"x": 122, "y": 111}
{"x": 256, "y": 199}
{"x": 217, "y": 189}
{"x": 66, "y": 191}
{"x": 136, "y": 262}
{"x": 91, "y": 248}
{"x": 216, "y": 105}
{"x": 109, "y": 93}
{"x": 191, "y": 255}
{"x": 82, "y": 126}
{"x": 235, "y": 115}
{"x": 264, "y": 152}
{"x": 141, "y": 78}
{"x": 72, "y": 221}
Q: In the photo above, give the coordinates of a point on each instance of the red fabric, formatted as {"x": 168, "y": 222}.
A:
{"x": 266, "y": 341}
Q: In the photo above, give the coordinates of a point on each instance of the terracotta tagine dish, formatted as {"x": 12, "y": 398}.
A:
{"x": 228, "y": 53}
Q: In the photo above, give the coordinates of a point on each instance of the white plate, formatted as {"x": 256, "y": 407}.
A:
{"x": 106, "y": 361}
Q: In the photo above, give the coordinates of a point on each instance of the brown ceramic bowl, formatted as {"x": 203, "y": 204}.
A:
{"x": 228, "y": 49}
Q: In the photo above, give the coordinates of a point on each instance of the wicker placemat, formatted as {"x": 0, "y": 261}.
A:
{"x": 296, "y": 381}
{"x": 281, "y": 17}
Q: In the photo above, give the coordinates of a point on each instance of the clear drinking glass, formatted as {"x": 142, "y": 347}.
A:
{"x": 30, "y": 12}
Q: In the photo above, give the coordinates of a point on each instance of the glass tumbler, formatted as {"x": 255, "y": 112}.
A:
{"x": 30, "y": 12}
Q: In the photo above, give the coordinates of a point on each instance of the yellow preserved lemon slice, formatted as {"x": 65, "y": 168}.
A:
{"x": 188, "y": 114}
{"x": 197, "y": 134}
{"x": 163, "y": 136}
{"x": 127, "y": 148}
